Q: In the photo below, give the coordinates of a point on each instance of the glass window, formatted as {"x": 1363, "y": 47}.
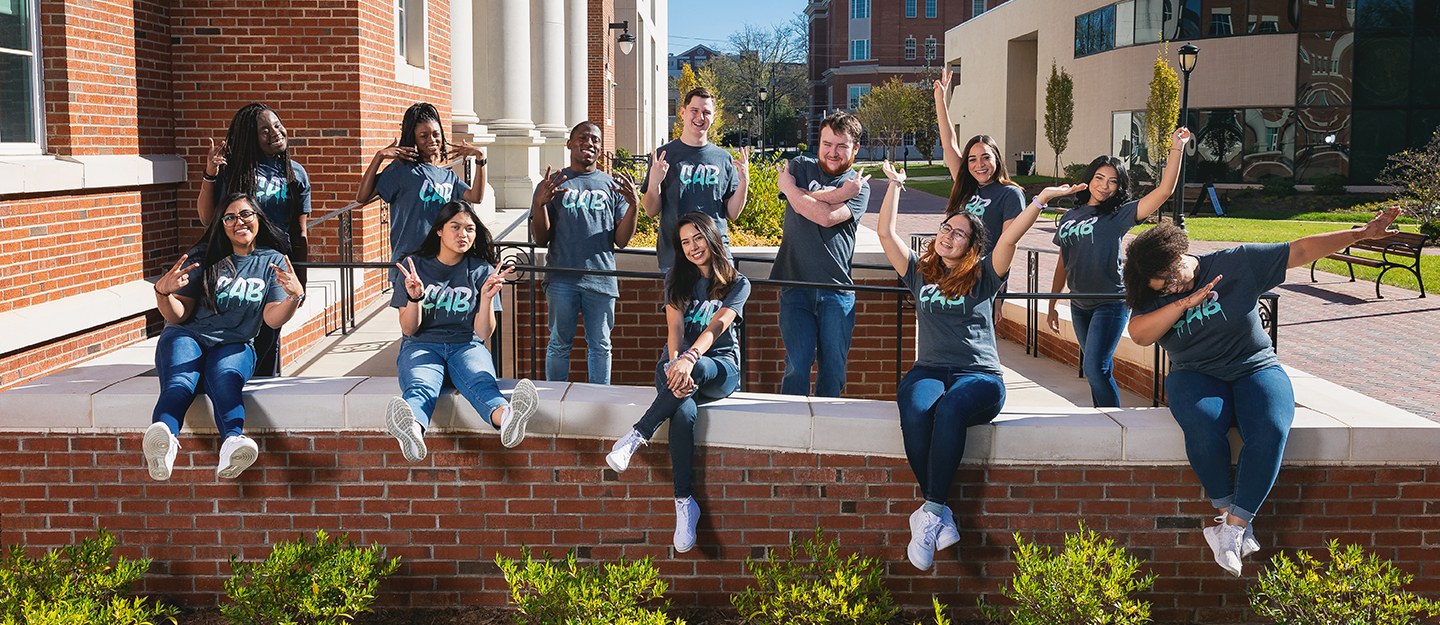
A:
{"x": 909, "y": 8}
{"x": 409, "y": 31}
{"x": 910, "y": 48}
{"x": 1125, "y": 24}
{"x": 1385, "y": 14}
{"x": 1269, "y": 144}
{"x": 1095, "y": 32}
{"x": 929, "y": 8}
{"x": 20, "y": 110}
{"x": 1149, "y": 20}
{"x": 1382, "y": 70}
{"x": 1190, "y": 24}
{"x": 859, "y": 9}
{"x": 859, "y": 49}
{"x": 1376, "y": 135}
{"x": 1220, "y": 23}
{"x": 1425, "y": 77}
{"x": 1313, "y": 17}
{"x": 930, "y": 48}
{"x": 857, "y": 92}
{"x": 977, "y": 7}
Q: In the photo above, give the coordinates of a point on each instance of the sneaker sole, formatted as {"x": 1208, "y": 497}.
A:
{"x": 239, "y": 461}
{"x": 398, "y": 417}
{"x": 614, "y": 465}
{"x": 911, "y": 553}
{"x": 157, "y": 447}
{"x": 1213, "y": 540}
{"x": 523, "y": 402}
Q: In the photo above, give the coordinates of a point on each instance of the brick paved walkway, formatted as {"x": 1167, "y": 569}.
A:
{"x": 1386, "y": 348}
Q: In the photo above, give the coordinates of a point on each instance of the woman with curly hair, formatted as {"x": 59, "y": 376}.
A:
{"x": 1205, "y": 311}
{"x": 1089, "y": 238}
{"x": 956, "y": 380}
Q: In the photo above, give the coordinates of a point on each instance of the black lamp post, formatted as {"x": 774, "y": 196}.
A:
{"x": 763, "y": 115}
{"x": 626, "y": 40}
{"x": 749, "y": 106}
{"x": 741, "y": 118}
{"x": 1189, "y": 54}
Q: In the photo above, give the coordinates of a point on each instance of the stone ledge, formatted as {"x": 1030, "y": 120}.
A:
{"x": 47, "y": 174}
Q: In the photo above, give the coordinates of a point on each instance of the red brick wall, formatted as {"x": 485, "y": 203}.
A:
{"x": 450, "y": 515}
{"x": 602, "y": 68}
{"x": 47, "y": 358}
{"x": 90, "y": 76}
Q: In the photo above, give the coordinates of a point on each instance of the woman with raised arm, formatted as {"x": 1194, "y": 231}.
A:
{"x": 982, "y": 183}
{"x": 956, "y": 379}
{"x": 704, "y": 297}
{"x": 1089, "y": 237}
{"x": 254, "y": 159}
{"x": 213, "y": 309}
{"x": 445, "y": 291}
{"x": 1205, "y": 311}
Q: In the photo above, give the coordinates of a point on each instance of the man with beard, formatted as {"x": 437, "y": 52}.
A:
{"x": 691, "y": 174}
{"x": 583, "y": 215}
{"x": 825, "y": 198}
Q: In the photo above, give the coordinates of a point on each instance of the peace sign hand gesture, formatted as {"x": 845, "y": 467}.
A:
{"x": 287, "y": 280}
{"x": 495, "y": 282}
{"x": 413, "y": 286}
{"x": 215, "y": 158}
{"x": 549, "y": 186}
{"x": 942, "y": 86}
{"x": 464, "y": 149}
{"x": 659, "y": 167}
{"x": 175, "y": 279}
{"x": 397, "y": 151}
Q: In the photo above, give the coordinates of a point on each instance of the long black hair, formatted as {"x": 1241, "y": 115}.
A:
{"x": 680, "y": 282}
{"x": 219, "y": 251}
{"x": 1122, "y": 192}
{"x": 417, "y": 114}
{"x": 243, "y": 153}
{"x": 484, "y": 246}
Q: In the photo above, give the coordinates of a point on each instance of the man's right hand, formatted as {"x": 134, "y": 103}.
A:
{"x": 659, "y": 168}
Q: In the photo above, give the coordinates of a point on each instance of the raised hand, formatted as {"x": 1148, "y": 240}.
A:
{"x": 176, "y": 278}
{"x": 898, "y": 175}
{"x": 215, "y": 158}
{"x": 413, "y": 286}
{"x": 287, "y": 280}
{"x": 464, "y": 149}
{"x": 626, "y": 186}
{"x": 942, "y": 86}
{"x": 549, "y": 186}
{"x": 495, "y": 282}
{"x": 1199, "y": 296}
{"x": 742, "y": 164}
{"x": 659, "y": 167}
{"x": 1050, "y": 193}
{"x": 397, "y": 151}
{"x": 782, "y": 172}
{"x": 1180, "y": 138}
{"x": 1379, "y": 226}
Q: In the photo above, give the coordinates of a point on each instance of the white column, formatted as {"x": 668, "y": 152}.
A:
{"x": 464, "y": 124}
{"x": 504, "y": 82}
{"x": 547, "y": 78}
{"x": 577, "y": 62}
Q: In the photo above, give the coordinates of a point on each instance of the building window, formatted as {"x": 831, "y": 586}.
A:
{"x": 859, "y": 49}
{"x": 1220, "y": 23}
{"x": 930, "y": 45}
{"x": 909, "y": 8}
{"x": 910, "y": 48}
{"x": 859, "y": 9}
{"x": 1095, "y": 32}
{"x": 1269, "y": 24}
{"x": 857, "y": 92}
{"x": 20, "y": 109}
{"x": 409, "y": 31}
{"x": 1272, "y": 139}
{"x": 976, "y": 8}
{"x": 929, "y": 8}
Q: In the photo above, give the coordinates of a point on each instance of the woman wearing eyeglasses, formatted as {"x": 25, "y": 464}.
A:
{"x": 956, "y": 380}
{"x": 235, "y": 281}
{"x": 1205, "y": 311}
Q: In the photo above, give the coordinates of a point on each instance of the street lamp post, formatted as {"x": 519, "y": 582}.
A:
{"x": 764, "y": 114}
{"x": 1189, "y": 54}
{"x": 749, "y": 106}
{"x": 743, "y": 134}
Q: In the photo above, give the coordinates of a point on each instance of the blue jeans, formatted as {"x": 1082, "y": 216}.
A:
{"x": 816, "y": 322}
{"x": 1098, "y": 331}
{"x": 567, "y": 303}
{"x": 183, "y": 362}
{"x": 424, "y": 368}
{"x": 936, "y": 406}
{"x": 1261, "y": 405}
{"x": 715, "y": 378}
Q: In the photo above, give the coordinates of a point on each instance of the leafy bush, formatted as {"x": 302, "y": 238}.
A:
{"x": 1348, "y": 589}
{"x": 1329, "y": 184}
{"x": 1277, "y": 187}
{"x": 824, "y": 589}
{"x": 1074, "y": 171}
{"x": 1415, "y": 174}
{"x": 75, "y": 584}
{"x": 760, "y": 224}
{"x": 583, "y": 595}
{"x": 306, "y": 582}
{"x": 801, "y": 147}
{"x": 1090, "y": 582}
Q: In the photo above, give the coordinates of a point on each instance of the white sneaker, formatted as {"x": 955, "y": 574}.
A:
{"x": 523, "y": 402}
{"x": 1226, "y": 541}
{"x": 619, "y": 456}
{"x": 236, "y": 455}
{"x": 949, "y": 533}
{"x": 1250, "y": 545}
{"x": 160, "y": 447}
{"x": 924, "y": 533}
{"x": 687, "y": 516}
{"x": 400, "y": 422}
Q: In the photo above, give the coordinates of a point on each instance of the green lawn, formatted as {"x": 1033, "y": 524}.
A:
{"x": 933, "y": 187}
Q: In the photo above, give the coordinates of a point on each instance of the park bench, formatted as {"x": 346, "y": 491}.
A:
{"x": 1397, "y": 251}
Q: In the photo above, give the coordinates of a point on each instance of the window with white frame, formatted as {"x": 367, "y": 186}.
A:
{"x": 412, "y": 41}
{"x": 859, "y": 49}
{"x": 930, "y": 46}
{"x": 21, "y": 113}
{"x": 1220, "y": 25}
{"x": 910, "y": 48}
{"x": 910, "y": 8}
{"x": 857, "y": 92}
{"x": 859, "y": 9}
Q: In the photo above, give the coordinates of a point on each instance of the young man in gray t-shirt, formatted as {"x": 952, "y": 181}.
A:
{"x": 824, "y": 199}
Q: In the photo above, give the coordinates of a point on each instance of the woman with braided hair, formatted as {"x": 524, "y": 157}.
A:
{"x": 254, "y": 159}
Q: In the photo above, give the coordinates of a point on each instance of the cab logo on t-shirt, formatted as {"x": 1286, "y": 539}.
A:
{"x": 585, "y": 199}
{"x": 432, "y": 192}
{"x": 933, "y": 299}
{"x": 1071, "y": 231}
{"x": 977, "y": 205}
{"x": 699, "y": 175}
{"x": 701, "y": 312}
{"x": 239, "y": 290}
{"x": 266, "y": 187}
{"x": 1199, "y": 314}
{"x": 455, "y": 301}
{"x": 816, "y": 186}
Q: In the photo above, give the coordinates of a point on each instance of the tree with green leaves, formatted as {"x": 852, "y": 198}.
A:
{"x": 1415, "y": 175}
{"x": 888, "y": 112}
{"x": 690, "y": 79}
{"x": 1162, "y": 109}
{"x": 1059, "y": 111}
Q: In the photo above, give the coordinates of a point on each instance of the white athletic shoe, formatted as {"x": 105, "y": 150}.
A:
{"x": 949, "y": 533}
{"x": 236, "y": 455}
{"x": 523, "y": 402}
{"x": 1226, "y": 541}
{"x": 400, "y": 422}
{"x": 687, "y": 516}
{"x": 924, "y": 534}
{"x": 160, "y": 447}
{"x": 619, "y": 456}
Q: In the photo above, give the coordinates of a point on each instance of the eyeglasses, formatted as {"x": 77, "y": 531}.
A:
{"x": 245, "y": 216}
{"x": 1172, "y": 280}
{"x": 947, "y": 231}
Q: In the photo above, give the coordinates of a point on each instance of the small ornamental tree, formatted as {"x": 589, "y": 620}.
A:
{"x": 1415, "y": 175}
{"x": 1162, "y": 109}
{"x": 1350, "y": 588}
{"x": 888, "y": 112}
{"x": 1091, "y": 581}
{"x": 1059, "y": 111}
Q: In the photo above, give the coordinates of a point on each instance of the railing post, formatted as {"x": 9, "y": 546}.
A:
{"x": 347, "y": 275}
{"x": 1032, "y": 310}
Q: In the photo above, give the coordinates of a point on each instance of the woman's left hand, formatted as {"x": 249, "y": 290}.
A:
{"x": 677, "y": 377}
{"x": 897, "y": 175}
{"x": 464, "y": 149}
{"x": 1180, "y": 138}
{"x": 287, "y": 280}
{"x": 495, "y": 282}
{"x": 1063, "y": 190}
{"x": 1379, "y": 226}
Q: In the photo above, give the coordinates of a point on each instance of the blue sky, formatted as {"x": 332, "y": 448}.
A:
{"x": 694, "y": 22}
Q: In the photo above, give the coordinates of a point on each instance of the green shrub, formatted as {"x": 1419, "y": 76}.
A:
{"x": 1276, "y": 187}
{"x": 1329, "y": 184}
{"x": 1348, "y": 589}
{"x": 75, "y": 584}
{"x": 306, "y": 582}
{"x": 801, "y": 148}
{"x": 566, "y": 593}
{"x": 820, "y": 589}
{"x": 1074, "y": 171}
{"x": 1090, "y": 582}
{"x": 764, "y": 214}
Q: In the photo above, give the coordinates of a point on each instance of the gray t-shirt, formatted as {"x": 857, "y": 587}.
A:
{"x": 1090, "y": 247}
{"x": 701, "y": 311}
{"x": 995, "y": 204}
{"x": 956, "y": 333}
{"x": 1223, "y": 336}
{"x": 810, "y": 252}
{"x": 273, "y": 193}
{"x": 583, "y": 215}
{"x": 415, "y": 192}
{"x": 240, "y": 297}
{"x": 452, "y": 295}
{"x": 700, "y": 179}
